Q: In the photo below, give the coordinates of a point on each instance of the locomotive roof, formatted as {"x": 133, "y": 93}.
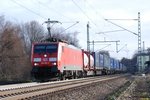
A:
{"x": 62, "y": 43}
{"x": 45, "y": 42}
{"x": 51, "y": 41}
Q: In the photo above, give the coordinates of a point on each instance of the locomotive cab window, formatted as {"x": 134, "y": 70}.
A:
{"x": 39, "y": 48}
{"x": 51, "y": 48}
{"x": 45, "y": 48}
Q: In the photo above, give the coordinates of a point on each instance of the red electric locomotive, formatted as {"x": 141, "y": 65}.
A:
{"x": 59, "y": 60}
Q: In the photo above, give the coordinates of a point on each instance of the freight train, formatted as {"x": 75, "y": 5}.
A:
{"x": 61, "y": 60}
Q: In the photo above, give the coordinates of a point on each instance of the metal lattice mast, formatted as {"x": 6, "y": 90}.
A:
{"x": 139, "y": 44}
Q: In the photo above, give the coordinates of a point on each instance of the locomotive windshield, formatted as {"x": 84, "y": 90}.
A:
{"x": 45, "y": 48}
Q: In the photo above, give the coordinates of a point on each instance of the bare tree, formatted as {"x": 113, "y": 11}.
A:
{"x": 73, "y": 39}
{"x": 148, "y": 50}
{"x": 31, "y": 32}
{"x": 70, "y": 37}
{"x": 14, "y": 63}
{"x": 35, "y": 31}
{"x": 2, "y": 20}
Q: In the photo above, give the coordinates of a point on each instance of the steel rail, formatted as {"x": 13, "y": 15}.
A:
{"x": 36, "y": 91}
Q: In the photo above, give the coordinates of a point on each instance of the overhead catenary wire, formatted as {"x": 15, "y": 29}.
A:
{"x": 120, "y": 27}
{"x": 84, "y": 12}
{"x": 104, "y": 47}
{"x": 103, "y": 18}
{"x": 109, "y": 31}
{"x": 93, "y": 9}
{"x": 122, "y": 47}
{"x": 54, "y": 10}
{"x": 69, "y": 27}
{"x": 60, "y": 14}
{"x": 28, "y": 9}
{"x": 42, "y": 16}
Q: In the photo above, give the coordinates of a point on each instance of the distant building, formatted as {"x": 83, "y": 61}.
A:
{"x": 145, "y": 57}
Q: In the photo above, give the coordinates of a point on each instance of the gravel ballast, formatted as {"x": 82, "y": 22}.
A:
{"x": 95, "y": 91}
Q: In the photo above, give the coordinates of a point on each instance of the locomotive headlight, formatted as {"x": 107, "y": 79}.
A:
{"x": 35, "y": 64}
{"x": 45, "y": 55}
{"x": 54, "y": 63}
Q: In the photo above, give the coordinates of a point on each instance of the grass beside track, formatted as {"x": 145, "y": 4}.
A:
{"x": 118, "y": 91}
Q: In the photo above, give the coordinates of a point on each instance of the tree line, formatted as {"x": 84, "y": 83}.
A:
{"x": 132, "y": 65}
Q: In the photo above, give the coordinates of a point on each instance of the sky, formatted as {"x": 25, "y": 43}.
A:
{"x": 68, "y": 12}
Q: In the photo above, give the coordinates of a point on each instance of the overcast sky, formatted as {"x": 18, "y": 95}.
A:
{"x": 94, "y": 11}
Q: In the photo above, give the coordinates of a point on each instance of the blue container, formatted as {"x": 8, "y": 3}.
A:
{"x": 124, "y": 68}
{"x": 97, "y": 59}
{"x": 117, "y": 67}
{"x": 101, "y": 60}
{"x": 112, "y": 63}
{"x": 115, "y": 64}
{"x": 106, "y": 61}
{"x": 120, "y": 66}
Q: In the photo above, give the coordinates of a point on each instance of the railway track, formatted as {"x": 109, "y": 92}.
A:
{"x": 28, "y": 85}
{"x": 48, "y": 89}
